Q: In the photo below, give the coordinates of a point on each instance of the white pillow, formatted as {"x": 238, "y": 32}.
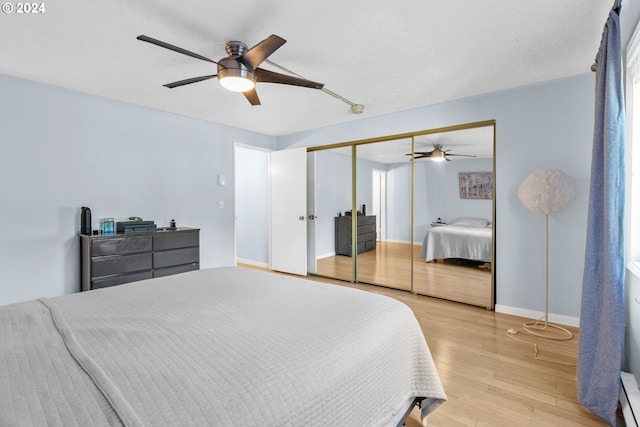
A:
{"x": 470, "y": 222}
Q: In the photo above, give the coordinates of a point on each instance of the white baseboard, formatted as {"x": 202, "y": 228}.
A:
{"x": 254, "y": 263}
{"x": 415, "y": 243}
{"x": 327, "y": 255}
{"x": 533, "y": 314}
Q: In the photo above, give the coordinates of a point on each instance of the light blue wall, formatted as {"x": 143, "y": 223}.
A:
{"x": 252, "y": 205}
{"x": 548, "y": 125}
{"x": 61, "y": 150}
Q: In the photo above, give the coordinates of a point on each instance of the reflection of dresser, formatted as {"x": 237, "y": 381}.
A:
{"x": 366, "y": 234}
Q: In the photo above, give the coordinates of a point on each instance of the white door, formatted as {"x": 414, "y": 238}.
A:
{"x": 289, "y": 211}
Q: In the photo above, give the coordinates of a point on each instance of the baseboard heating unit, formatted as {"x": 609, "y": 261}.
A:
{"x": 630, "y": 399}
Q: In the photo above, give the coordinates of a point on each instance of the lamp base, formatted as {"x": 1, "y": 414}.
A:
{"x": 537, "y": 329}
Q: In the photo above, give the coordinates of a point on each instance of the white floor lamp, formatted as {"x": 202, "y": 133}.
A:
{"x": 546, "y": 192}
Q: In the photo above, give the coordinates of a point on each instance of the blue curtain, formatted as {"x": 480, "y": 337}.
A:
{"x": 601, "y": 342}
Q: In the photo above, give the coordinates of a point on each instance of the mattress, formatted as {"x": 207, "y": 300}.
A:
{"x": 452, "y": 241}
{"x": 224, "y": 346}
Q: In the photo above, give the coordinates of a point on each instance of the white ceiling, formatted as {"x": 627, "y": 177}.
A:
{"x": 389, "y": 56}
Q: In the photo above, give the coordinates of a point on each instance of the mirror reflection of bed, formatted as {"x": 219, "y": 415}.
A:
{"x": 433, "y": 189}
{"x": 465, "y": 245}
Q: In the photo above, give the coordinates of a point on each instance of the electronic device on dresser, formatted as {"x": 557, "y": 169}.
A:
{"x": 124, "y": 258}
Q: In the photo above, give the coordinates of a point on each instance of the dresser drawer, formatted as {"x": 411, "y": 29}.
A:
{"x": 173, "y": 240}
{"x": 176, "y": 257}
{"x": 367, "y": 220}
{"x": 104, "y": 282}
{"x": 120, "y": 245}
{"x": 119, "y": 264}
{"x": 167, "y": 271}
{"x": 366, "y": 229}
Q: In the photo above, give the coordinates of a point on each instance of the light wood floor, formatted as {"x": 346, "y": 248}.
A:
{"x": 390, "y": 265}
{"x": 491, "y": 379}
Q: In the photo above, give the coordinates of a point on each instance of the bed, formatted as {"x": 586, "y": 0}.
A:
{"x": 223, "y": 346}
{"x": 465, "y": 238}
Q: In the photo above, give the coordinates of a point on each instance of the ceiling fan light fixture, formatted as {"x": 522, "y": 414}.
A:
{"x": 438, "y": 156}
{"x": 237, "y": 84}
{"x": 236, "y": 79}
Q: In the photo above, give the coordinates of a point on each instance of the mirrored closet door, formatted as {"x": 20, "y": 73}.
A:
{"x": 384, "y": 184}
{"x": 453, "y": 215}
{"x": 399, "y": 204}
{"x": 333, "y": 191}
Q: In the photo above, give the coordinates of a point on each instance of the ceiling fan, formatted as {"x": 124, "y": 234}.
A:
{"x": 437, "y": 154}
{"x": 239, "y": 72}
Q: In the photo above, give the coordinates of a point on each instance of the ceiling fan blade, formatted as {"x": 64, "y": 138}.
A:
{"x": 173, "y": 48}
{"x": 267, "y": 76}
{"x": 252, "y": 96}
{"x": 463, "y": 155}
{"x": 257, "y": 54}
{"x": 420, "y": 154}
{"x": 189, "y": 81}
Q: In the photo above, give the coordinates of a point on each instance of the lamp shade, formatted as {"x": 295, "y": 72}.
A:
{"x": 547, "y": 191}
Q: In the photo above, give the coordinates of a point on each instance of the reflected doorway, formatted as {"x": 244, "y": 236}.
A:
{"x": 379, "y": 201}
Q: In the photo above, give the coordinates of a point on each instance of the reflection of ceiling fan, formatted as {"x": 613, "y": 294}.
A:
{"x": 437, "y": 154}
{"x": 239, "y": 71}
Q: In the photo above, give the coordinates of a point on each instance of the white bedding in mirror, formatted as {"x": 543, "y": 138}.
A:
{"x": 458, "y": 241}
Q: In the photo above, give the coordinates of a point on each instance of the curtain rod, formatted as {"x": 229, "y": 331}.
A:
{"x": 616, "y": 7}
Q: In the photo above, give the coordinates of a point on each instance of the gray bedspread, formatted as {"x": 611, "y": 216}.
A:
{"x": 451, "y": 241}
{"x": 219, "y": 347}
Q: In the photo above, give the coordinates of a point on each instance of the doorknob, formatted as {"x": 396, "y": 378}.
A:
{"x": 312, "y": 217}
{"x": 301, "y": 218}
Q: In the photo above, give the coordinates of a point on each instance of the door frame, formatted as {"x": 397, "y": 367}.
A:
{"x": 379, "y": 182}
{"x": 236, "y": 146}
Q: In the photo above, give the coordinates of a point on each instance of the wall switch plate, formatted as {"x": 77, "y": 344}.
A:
{"x": 221, "y": 204}
{"x": 221, "y": 180}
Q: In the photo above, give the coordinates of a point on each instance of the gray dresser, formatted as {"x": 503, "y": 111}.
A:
{"x": 123, "y": 258}
{"x": 366, "y": 234}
